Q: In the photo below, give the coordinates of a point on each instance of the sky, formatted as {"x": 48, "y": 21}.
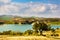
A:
{"x": 29, "y": 8}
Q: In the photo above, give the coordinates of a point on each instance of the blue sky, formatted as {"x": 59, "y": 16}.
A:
{"x": 42, "y": 1}
{"x": 29, "y": 8}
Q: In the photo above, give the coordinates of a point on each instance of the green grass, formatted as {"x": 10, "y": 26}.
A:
{"x": 55, "y": 23}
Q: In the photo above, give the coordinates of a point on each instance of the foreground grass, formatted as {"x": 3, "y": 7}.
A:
{"x": 6, "y": 37}
{"x": 47, "y": 37}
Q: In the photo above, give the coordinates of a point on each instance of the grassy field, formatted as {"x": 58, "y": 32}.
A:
{"x": 4, "y": 37}
{"x": 55, "y": 23}
{"x": 47, "y": 37}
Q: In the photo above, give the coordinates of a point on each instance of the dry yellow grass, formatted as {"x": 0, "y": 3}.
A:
{"x": 26, "y": 38}
{"x": 48, "y": 37}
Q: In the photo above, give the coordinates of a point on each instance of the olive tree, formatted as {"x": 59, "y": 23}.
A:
{"x": 40, "y": 26}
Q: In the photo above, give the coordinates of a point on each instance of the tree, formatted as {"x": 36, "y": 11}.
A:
{"x": 35, "y": 26}
{"x": 40, "y": 26}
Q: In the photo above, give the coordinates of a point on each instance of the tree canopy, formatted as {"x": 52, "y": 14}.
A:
{"x": 40, "y": 26}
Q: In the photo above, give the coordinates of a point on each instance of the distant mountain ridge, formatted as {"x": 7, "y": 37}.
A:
{"x": 9, "y": 17}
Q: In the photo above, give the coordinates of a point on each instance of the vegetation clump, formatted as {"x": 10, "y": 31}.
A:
{"x": 40, "y": 27}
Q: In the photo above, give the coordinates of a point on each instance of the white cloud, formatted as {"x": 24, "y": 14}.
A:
{"x": 38, "y": 8}
{"x": 5, "y": 1}
{"x": 29, "y": 9}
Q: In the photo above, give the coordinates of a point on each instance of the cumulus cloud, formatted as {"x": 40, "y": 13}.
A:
{"x": 29, "y": 9}
{"x": 5, "y": 1}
